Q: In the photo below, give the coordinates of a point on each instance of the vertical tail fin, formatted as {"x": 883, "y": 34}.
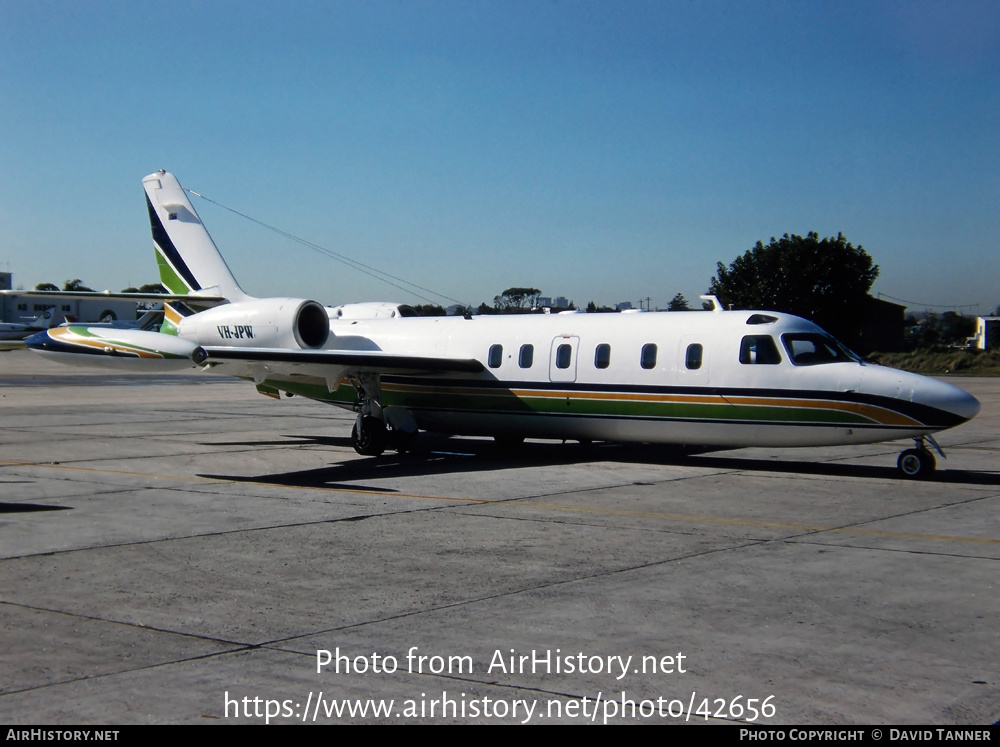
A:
{"x": 172, "y": 316}
{"x": 188, "y": 259}
{"x": 56, "y": 318}
{"x": 47, "y": 319}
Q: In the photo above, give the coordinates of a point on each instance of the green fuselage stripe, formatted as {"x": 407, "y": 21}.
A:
{"x": 489, "y": 400}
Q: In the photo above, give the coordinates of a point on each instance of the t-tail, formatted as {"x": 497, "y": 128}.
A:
{"x": 189, "y": 261}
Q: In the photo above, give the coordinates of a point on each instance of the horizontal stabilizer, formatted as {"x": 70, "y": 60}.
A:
{"x": 110, "y": 347}
{"x": 204, "y": 300}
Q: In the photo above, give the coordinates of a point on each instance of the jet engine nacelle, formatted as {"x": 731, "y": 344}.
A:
{"x": 261, "y": 323}
{"x": 371, "y": 310}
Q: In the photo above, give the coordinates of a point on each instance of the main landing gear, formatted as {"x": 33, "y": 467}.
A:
{"x": 919, "y": 463}
{"x": 369, "y": 435}
{"x": 377, "y": 428}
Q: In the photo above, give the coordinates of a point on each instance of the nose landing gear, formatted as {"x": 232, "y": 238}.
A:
{"x": 919, "y": 463}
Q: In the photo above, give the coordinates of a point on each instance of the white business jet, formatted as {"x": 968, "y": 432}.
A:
{"x": 20, "y": 330}
{"x": 708, "y": 379}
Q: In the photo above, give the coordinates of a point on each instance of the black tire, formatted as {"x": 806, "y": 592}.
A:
{"x": 916, "y": 464}
{"x": 371, "y": 440}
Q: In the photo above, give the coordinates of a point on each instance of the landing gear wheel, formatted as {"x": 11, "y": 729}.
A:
{"x": 371, "y": 440}
{"x": 916, "y": 464}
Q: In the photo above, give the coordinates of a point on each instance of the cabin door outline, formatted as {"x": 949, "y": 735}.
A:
{"x": 561, "y": 368}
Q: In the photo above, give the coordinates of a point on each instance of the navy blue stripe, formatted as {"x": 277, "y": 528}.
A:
{"x": 43, "y": 342}
{"x": 663, "y": 419}
{"x": 162, "y": 240}
{"x": 925, "y": 414}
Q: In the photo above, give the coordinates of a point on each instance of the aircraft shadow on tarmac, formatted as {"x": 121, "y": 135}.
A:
{"x": 433, "y": 455}
{"x": 24, "y": 508}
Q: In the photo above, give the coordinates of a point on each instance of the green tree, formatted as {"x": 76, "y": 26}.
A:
{"x": 517, "y": 299}
{"x": 46, "y": 287}
{"x": 824, "y": 280}
{"x": 678, "y": 303}
{"x": 76, "y": 285}
{"x": 949, "y": 328}
{"x": 430, "y": 309}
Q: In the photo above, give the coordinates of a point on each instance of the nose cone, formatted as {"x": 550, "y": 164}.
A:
{"x": 947, "y": 399}
{"x": 961, "y": 403}
{"x": 934, "y": 403}
{"x": 38, "y": 341}
{"x": 949, "y": 405}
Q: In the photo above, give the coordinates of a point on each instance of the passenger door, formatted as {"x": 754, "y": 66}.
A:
{"x": 562, "y": 358}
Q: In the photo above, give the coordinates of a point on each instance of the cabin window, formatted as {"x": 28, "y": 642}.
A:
{"x": 602, "y": 356}
{"x": 692, "y": 358}
{"x": 564, "y": 355}
{"x": 648, "y": 357}
{"x": 526, "y": 357}
{"x": 496, "y": 356}
{"x": 759, "y": 349}
{"x": 813, "y": 349}
{"x": 22, "y": 307}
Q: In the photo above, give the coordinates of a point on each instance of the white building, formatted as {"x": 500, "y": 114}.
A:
{"x": 987, "y": 333}
{"x": 17, "y": 306}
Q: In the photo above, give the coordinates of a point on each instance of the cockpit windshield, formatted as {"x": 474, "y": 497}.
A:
{"x": 809, "y": 349}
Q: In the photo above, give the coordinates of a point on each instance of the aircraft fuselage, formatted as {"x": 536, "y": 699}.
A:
{"x": 679, "y": 378}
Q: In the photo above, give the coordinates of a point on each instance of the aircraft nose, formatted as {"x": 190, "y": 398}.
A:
{"x": 964, "y": 404}
{"x": 37, "y": 341}
{"x": 934, "y": 403}
{"x": 947, "y": 398}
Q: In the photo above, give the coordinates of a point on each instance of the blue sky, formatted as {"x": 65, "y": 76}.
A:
{"x": 603, "y": 151}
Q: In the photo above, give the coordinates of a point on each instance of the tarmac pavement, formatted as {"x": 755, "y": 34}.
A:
{"x": 178, "y": 549}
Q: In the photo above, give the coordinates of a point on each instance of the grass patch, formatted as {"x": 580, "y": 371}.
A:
{"x": 940, "y": 360}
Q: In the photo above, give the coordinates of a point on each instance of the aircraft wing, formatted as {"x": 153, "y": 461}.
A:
{"x": 337, "y": 362}
{"x": 118, "y": 296}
